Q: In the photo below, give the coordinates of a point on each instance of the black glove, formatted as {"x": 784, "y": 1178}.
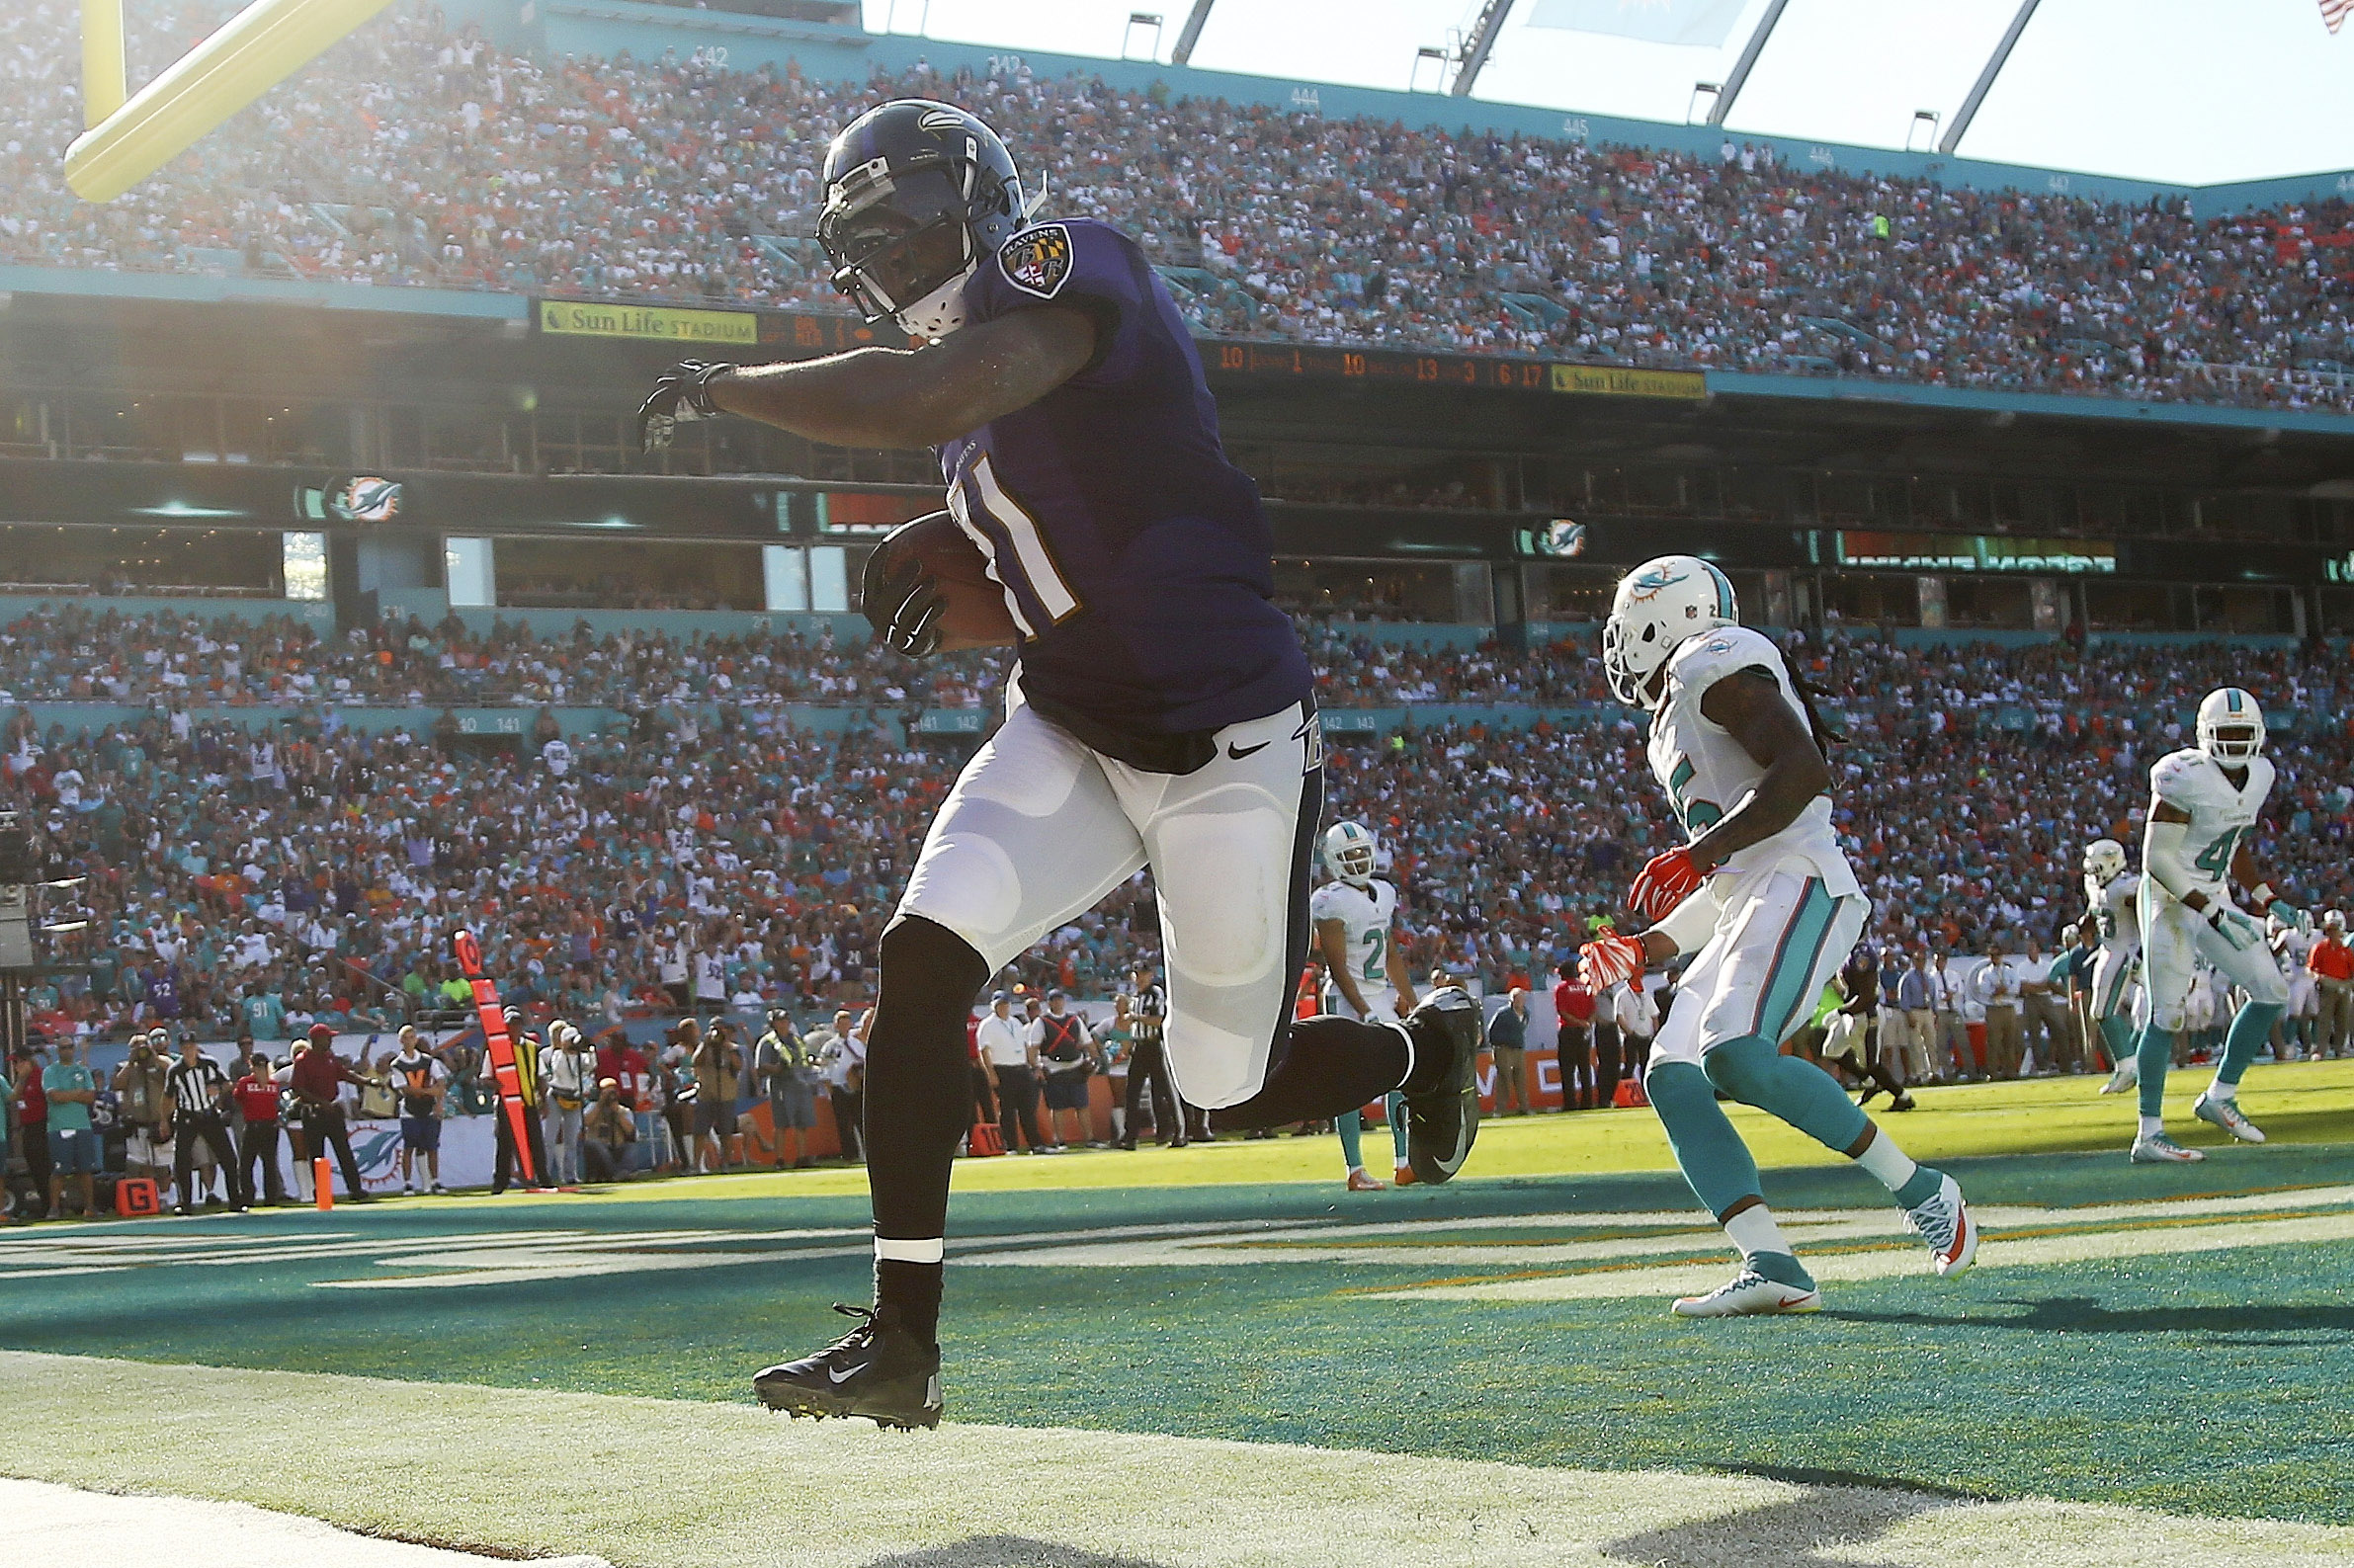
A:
{"x": 904, "y": 606}
{"x": 683, "y": 392}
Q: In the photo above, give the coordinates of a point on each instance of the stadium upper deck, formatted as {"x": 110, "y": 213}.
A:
{"x": 421, "y": 156}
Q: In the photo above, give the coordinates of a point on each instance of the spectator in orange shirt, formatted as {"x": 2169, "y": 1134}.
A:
{"x": 2333, "y": 963}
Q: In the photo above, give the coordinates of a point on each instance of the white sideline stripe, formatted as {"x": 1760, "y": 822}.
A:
{"x": 53, "y": 1527}
{"x": 2081, "y": 1247}
{"x": 532, "y": 1472}
{"x": 578, "y": 1256}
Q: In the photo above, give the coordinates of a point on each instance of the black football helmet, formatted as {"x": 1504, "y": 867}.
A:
{"x": 916, "y": 194}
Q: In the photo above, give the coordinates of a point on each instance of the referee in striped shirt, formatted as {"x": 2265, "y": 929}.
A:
{"x": 200, "y": 1092}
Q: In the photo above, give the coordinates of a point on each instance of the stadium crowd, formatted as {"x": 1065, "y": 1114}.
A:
{"x": 415, "y": 155}
{"x": 93, "y": 653}
{"x": 273, "y": 873}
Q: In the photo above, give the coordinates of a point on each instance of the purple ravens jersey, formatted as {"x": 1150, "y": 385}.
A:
{"x": 1135, "y": 558}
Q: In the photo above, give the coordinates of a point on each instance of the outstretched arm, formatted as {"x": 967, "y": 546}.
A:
{"x": 915, "y": 397}
{"x": 1750, "y": 705}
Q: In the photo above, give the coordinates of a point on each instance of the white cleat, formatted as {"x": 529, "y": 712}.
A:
{"x": 2128, "y": 1074}
{"x": 2227, "y": 1115}
{"x": 2156, "y": 1148}
{"x": 1749, "y": 1294}
{"x": 1945, "y": 1222}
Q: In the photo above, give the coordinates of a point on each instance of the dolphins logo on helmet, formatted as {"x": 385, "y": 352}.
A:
{"x": 1657, "y": 607}
{"x": 2104, "y": 861}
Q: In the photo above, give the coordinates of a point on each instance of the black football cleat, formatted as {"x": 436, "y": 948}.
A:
{"x": 878, "y": 1370}
{"x": 1442, "y": 1120}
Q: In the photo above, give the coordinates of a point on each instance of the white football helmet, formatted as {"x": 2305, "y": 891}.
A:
{"x": 2230, "y": 726}
{"x": 1349, "y": 850}
{"x": 1657, "y": 605}
{"x": 2104, "y": 861}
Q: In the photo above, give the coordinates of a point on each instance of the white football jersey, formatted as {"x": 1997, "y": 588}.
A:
{"x": 2221, "y": 817}
{"x": 2292, "y": 946}
{"x": 1706, "y": 773}
{"x": 2119, "y": 917}
{"x": 1364, "y": 914}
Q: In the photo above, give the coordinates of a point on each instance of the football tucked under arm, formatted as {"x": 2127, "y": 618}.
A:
{"x": 927, "y": 589}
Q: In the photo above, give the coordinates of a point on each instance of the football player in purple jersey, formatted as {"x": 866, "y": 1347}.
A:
{"x": 1160, "y": 712}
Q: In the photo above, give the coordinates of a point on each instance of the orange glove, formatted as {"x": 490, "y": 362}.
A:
{"x": 1606, "y": 962}
{"x": 1665, "y": 880}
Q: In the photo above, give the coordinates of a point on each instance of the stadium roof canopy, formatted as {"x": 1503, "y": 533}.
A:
{"x": 2183, "y": 91}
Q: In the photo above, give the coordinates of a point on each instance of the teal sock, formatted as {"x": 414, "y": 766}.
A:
{"x": 1918, "y": 1191}
{"x": 1394, "y": 1107}
{"x": 1350, "y": 1124}
{"x": 1711, "y": 1156}
{"x": 2156, "y": 1053}
{"x": 2251, "y": 1030}
{"x": 1801, "y": 1094}
{"x": 1782, "y": 1268}
{"x": 2118, "y": 1035}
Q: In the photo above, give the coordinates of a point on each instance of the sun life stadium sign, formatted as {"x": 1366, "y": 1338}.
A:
{"x": 665, "y": 323}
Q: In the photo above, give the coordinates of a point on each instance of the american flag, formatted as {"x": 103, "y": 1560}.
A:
{"x": 2335, "y": 12}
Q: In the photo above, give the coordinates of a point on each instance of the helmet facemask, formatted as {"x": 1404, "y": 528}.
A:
{"x": 1350, "y": 853}
{"x": 2232, "y": 744}
{"x": 909, "y": 257}
{"x": 1619, "y": 663}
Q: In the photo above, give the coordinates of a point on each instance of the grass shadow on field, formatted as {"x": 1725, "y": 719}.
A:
{"x": 1790, "y": 1534}
{"x": 2319, "y": 1323}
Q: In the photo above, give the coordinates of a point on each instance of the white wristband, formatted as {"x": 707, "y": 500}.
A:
{"x": 2262, "y": 896}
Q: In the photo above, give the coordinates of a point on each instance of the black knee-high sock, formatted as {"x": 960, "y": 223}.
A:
{"x": 919, "y": 1102}
{"x": 1326, "y": 1067}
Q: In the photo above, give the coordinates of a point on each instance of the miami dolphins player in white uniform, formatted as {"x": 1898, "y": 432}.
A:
{"x": 2113, "y": 890}
{"x": 2203, "y": 805}
{"x": 2292, "y": 939}
{"x": 1367, "y": 975}
{"x": 1763, "y": 898}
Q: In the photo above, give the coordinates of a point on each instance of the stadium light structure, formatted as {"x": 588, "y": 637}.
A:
{"x": 1918, "y": 115}
{"x": 1711, "y": 89}
{"x": 1428, "y": 52}
{"x": 1740, "y": 67}
{"x": 242, "y": 58}
{"x": 1480, "y": 45}
{"x": 1979, "y": 88}
{"x": 1191, "y": 33}
{"x": 1141, "y": 19}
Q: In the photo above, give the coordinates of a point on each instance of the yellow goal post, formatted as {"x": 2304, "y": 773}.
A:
{"x": 131, "y": 135}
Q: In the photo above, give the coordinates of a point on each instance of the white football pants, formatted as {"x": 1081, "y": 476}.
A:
{"x": 1040, "y": 828}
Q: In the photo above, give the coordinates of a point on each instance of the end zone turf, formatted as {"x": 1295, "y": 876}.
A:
{"x": 668, "y": 1482}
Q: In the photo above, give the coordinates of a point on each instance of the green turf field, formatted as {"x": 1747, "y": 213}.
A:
{"x": 2177, "y": 1340}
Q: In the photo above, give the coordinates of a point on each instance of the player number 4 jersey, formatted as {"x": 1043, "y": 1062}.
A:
{"x": 1706, "y": 773}
{"x": 1364, "y": 914}
{"x": 2222, "y": 817}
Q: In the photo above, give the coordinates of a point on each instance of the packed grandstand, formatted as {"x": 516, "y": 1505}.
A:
{"x": 414, "y": 155}
{"x": 288, "y": 865}
{"x": 279, "y": 811}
